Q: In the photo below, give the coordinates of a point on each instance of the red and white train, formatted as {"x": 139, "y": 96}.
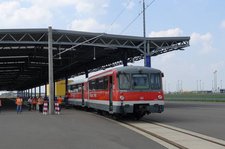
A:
{"x": 133, "y": 90}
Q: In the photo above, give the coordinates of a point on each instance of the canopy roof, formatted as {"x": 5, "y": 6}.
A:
{"x": 24, "y": 54}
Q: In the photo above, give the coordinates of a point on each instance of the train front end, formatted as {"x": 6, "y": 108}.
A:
{"x": 140, "y": 90}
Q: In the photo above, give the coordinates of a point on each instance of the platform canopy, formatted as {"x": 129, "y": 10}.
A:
{"x": 24, "y": 54}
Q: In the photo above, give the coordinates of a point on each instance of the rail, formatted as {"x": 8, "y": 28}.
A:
{"x": 175, "y": 136}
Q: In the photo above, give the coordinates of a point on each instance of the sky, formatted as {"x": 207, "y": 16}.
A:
{"x": 202, "y": 20}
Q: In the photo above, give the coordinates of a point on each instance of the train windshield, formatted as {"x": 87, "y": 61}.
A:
{"x": 124, "y": 81}
{"x": 146, "y": 81}
{"x": 155, "y": 81}
{"x": 140, "y": 81}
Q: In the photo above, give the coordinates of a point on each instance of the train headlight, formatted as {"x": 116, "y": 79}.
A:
{"x": 122, "y": 98}
{"x": 160, "y": 97}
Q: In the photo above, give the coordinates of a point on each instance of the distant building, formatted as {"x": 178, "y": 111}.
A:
{"x": 205, "y": 92}
{"x": 222, "y": 90}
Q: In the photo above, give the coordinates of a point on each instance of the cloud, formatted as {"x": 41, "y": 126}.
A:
{"x": 90, "y": 7}
{"x": 86, "y": 7}
{"x": 203, "y": 42}
{"x": 87, "y": 25}
{"x": 39, "y": 13}
{"x": 165, "y": 58}
{"x": 129, "y": 4}
{"x": 14, "y": 15}
{"x": 223, "y": 24}
{"x": 167, "y": 33}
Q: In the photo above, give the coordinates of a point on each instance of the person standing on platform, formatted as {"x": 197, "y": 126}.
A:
{"x": 59, "y": 101}
{"x": 34, "y": 103}
{"x": 40, "y": 104}
{"x": 19, "y": 103}
{"x": 29, "y": 103}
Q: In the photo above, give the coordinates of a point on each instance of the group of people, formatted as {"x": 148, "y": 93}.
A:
{"x": 33, "y": 102}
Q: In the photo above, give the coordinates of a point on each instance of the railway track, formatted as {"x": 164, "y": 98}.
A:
{"x": 172, "y": 137}
{"x": 169, "y": 136}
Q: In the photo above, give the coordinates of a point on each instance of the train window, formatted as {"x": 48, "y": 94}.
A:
{"x": 70, "y": 87}
{"x": 100, "y": 84}
{"x": 79, "y": 88}
{"x": 124, "y": 81}
{"x": 92, "y": 85}
{"x": 105, "y": 83}
{"x": 155, "y": 81}
{"x": 140, "y": 81}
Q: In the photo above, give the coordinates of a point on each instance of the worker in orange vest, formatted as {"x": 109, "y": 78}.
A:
{"x": 40, "y": 103}
{"x": 19, "y": 103}
{"x": 34, "y": 103}
{"x": 59, "y": 101}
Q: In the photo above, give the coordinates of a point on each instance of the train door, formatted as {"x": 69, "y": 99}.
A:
{"x": 110, "y": 94}
{"x": 82, "y": 94}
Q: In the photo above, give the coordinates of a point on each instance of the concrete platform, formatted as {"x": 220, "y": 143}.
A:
{"x": 72, "y": 129}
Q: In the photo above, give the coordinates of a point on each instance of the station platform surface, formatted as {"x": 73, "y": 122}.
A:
{"x": 73, "y": 128}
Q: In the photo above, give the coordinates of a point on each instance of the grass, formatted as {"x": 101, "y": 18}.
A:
{"x": 205, "y": 97}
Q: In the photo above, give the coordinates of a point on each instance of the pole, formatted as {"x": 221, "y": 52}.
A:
{"x": 221, "y": 84}
{"x": 197, "y": 86}
{"x": 66, "y": 84}
{"x": 35, "y": 92}
{"x": 39, "y": 91}
{"x": 50, "y": 72}
{"x": 147, "y": 58}
{"x": 215, "y": 80}
{"x": 145, "y": 63}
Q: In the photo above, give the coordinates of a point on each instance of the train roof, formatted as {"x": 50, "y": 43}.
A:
{"x": 78, "y": 81}
{"x": 132, "y": 68}
{"x": 126, "y": 69}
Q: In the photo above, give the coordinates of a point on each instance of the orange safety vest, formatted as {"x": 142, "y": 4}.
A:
{"x": 40, "y": 101}
{"x": 34, "y": 101}
{"x": 19, "y": 101}
{"x": 60, "y": 100}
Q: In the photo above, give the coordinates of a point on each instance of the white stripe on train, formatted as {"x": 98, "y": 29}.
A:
{"x": 118, "y": 103}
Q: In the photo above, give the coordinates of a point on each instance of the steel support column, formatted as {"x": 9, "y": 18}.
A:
{"x": 31, "y": 92}
{"x": 39, "y": 91}
{"x": 86, "y": 73}
{"x": 50, "y": 72}
{"x": 144, "y": 34}
{"x": 45, "y": 90}
{"x": 148, "y": 56}
{"x": 66, "y": 84}
{"x": 35, "y": 92}
{"x": 28, "y": 92}
{"x": 125, "y": 59}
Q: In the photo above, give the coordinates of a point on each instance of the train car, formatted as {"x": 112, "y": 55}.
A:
{"x": 78, "y": 93}
{"x": 133, "y": 90}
